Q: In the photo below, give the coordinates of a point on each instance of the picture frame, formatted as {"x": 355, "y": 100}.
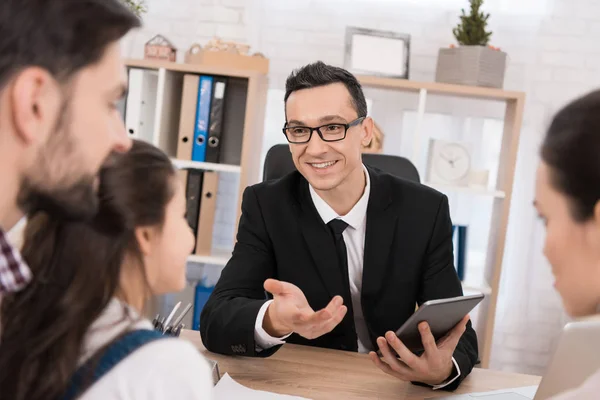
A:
{"x": 377, "y": 52}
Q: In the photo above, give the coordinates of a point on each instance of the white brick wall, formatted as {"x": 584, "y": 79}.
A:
{"x": 553, "y": 56}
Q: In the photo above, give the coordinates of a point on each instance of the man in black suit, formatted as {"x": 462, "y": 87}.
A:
{"x": 360, "y": 246}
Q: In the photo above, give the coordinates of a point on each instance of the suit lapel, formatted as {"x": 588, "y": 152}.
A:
{"x": 379, "y": 237}
{"x": 319, "y": 242}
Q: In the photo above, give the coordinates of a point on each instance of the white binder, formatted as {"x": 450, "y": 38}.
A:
{"x": 140, "y": 106}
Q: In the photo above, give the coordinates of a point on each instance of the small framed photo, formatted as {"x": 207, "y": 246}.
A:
{"x": 374, "y": 52}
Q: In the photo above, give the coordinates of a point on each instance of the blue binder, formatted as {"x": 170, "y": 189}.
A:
{"x": 461, "y": 256}
{"x": 200, "y": 298}
{"x": 202, "y": 118}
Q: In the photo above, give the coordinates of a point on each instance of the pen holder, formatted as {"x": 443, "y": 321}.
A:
{"x": 164, "y": 326}
{"x": 172, "y": 332}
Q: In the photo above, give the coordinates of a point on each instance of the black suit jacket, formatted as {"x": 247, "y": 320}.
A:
{"x": 408, "y": 259}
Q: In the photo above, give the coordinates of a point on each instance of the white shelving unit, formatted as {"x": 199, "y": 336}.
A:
{"x": 153, "y": 112}
{"x": 206, "y": 166}
{"x": 158, "y": 89}
{"x": 470, "y": 287}
{"x": 500, "y": 191}
{"x": 500, "y": 194}
{"x": 219, "y": 258}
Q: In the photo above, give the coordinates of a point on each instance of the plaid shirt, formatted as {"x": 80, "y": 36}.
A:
{"x": 14, "y": 272}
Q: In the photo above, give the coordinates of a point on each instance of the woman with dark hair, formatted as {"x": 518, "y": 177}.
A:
{"x": 568, "y": 201}
{"x": 90, "y": 283}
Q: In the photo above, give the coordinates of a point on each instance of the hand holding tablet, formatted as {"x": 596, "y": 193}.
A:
{"x": 436, "y": 327}
{"x": 442, "y": 315}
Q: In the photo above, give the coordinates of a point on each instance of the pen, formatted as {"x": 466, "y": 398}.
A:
{"x": 180, "y": 318}
{"x": 172, "y": 314}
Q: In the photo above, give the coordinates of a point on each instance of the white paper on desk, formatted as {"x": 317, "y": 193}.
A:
{"x": 228, "y": 389}
{"x": 527, "y": 392}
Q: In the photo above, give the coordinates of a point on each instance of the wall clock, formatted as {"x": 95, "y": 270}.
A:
{"x": 448, "y": 162}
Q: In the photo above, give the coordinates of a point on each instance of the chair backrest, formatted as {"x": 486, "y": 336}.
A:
{"x": 278, "y": 163}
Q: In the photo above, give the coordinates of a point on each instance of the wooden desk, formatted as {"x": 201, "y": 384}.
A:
{"x": 331, "y": 374}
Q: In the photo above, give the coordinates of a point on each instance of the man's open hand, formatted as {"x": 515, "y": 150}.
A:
{"x": 290, "y": 312}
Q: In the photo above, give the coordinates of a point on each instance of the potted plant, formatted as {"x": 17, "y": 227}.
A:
{"x": 137, "y": 6}
{"x": 474, "y": 62}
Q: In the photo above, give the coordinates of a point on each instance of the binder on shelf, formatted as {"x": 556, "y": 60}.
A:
{"x": 187, "y": 118}
{"x": 194, "y": 197}
{"x": 202, "y": 118}
{"x": 461, "y": 253}
{"x": 217, "y": 106}
{"x": 202, "y": 293}
{"x": 167, "y": 110}
{"x": 206, "y": 215}
{"x": 140, "y": 105}
{"x": 133, "y": 101}
{"x": 233, "y": 122}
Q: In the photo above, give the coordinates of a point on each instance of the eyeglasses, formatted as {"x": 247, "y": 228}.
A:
{"x": 327, "y": 133}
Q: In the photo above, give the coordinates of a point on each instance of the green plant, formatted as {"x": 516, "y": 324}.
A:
{"x": 137, "y": 6}
{"x": 471, "y": 28}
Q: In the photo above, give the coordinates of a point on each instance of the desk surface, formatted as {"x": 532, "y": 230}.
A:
{"x": 331, "y": 374}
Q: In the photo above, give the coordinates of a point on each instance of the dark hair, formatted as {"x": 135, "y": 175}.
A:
{"x": 571, "y": 149}
{"x": 76, "y": 268}
{"x": 61, "y": 36}
{"x": 321, "y": 74}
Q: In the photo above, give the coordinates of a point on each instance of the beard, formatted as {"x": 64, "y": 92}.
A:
{"x": 77, "y": 201}
{"x": 55, "y": 184}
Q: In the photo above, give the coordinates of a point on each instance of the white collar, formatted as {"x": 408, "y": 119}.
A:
{"x": 116, "y": 317}
{"x": 356, "y": 216}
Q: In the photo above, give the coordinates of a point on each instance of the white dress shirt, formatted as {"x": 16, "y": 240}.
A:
{"x": 354, "y": 237}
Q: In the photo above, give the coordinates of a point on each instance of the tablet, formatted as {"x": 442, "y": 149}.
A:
{"x": 442, "y": 315}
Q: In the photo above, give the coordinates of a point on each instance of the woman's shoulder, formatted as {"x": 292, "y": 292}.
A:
{"x": 170, "y": 351}
{"x": 164, "y": 368}
{"x": 588, "y": 390}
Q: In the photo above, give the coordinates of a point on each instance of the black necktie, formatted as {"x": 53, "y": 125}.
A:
{"x": 337, "y": 227}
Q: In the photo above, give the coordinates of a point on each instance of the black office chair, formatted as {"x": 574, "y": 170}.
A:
{"x": 278, "y": 163}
